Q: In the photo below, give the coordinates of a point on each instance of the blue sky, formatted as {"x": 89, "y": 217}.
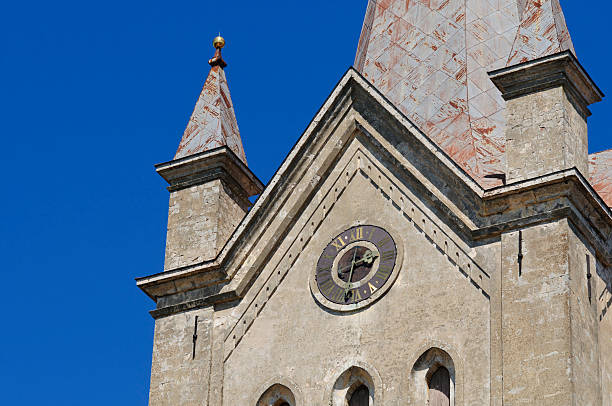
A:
{"x": 92, "y": 94}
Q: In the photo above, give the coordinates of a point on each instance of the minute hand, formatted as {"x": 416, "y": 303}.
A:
{"x": 358, "y": 262}
{"x": 348, "y": 286}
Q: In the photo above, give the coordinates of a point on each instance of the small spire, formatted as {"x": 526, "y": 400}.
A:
{"x": 213, "y": 122}
{"x": 217, "y": 60}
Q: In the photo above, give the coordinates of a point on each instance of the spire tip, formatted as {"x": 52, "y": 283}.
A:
{"x": 219, "y": 42}
{"x": 217, "y": 60}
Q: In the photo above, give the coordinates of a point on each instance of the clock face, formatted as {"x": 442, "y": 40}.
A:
{"x": 356, "y": 264}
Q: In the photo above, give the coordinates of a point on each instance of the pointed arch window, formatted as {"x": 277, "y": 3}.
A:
{"x": 277, "y": 395}
{"x": 433, "y": 379}
{"x": 360, "y": 397}
{"x": 354, "y": 387}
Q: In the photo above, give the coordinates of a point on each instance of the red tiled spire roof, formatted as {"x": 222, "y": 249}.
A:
{"x": 600, "y": 168}
{"x": 431, "y": 58}
{"x": 213, "y": 121}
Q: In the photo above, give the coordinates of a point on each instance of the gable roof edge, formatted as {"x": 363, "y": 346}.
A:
{"x": 338, "y": 97}
{"x": 356, "y": 77}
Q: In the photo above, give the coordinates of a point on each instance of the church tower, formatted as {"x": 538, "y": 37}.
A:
{"x": 439, "y": 234}
{"x": 210, "y": 182}
{"x": 210, "y": 185}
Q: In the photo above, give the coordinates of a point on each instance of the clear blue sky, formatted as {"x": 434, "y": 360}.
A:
{"x": 92, "y": 94}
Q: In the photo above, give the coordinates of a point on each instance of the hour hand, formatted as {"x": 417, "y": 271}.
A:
{"x": 367, "y": 258}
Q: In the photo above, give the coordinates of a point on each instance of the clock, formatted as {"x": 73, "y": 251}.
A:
{"x": 356, "y": 267}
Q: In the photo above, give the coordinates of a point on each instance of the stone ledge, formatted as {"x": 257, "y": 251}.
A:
{"x": 561, "y": 69}
{"x": 214, "y": 164}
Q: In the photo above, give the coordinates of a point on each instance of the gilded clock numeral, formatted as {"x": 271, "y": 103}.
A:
{"x": 327, "y": 290}
{"x": 384, "y": 271}
{"x": 372, "y": 287}
{"x": 323, "y": 270}
{"x": 387, "y": 256}
{"x": 356, "y": 234}
{"x": 338, "y": 294}
{"x": 326, "y": 285}
{"x": 384, "y": 241}
{"x": 338, "y": 243}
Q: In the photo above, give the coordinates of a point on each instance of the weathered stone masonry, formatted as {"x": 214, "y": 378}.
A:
{"x": 502, "y": 289}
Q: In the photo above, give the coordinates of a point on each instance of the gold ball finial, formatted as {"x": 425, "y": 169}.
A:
{"x": 219, "y": 42}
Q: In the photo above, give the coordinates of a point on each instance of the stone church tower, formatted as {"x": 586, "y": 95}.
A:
{"x": 439, "y": 235}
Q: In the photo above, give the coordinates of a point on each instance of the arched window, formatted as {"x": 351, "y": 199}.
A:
{"x": 354, "y": 387}
{"x": 361, "y": 397}
{"x": 433, "y": 379}
{"x": 439, "y": 388}
{"x": 277, "y": 395}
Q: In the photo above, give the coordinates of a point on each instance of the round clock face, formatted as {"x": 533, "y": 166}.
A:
{"x": 356, "y": 264}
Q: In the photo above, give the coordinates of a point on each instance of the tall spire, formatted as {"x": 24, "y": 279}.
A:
{"x": 213, "y": 121}
{"x": 431, "y": 58}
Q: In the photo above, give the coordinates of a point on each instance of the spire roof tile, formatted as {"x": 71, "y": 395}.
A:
{"x": 409, "y": 49}
{"x": 600, "y": 168}
{"x": 213, "y": 122}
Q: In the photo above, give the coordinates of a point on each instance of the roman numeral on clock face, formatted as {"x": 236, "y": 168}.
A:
{"x": 326, "y": 287}
{"x": 387, "y": 255}
{"x": 338, "y": 243}
{"x": 324, "y": 269}
{"x": 384, "y": 241}
{"x": 384, "y": 271}
{"x": 356, "y": 234}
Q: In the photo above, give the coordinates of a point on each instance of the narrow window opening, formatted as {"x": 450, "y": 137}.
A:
{"x": 589, "y": 278}
{"x": 520, "y": 253}
{"x": 195, "y": 337}
{"x": 361, "y": 397}
{"x": 439, "y": 388}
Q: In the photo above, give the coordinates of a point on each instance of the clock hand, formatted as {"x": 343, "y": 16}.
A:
{"x": 350, "y": 274}
{"x": 358, "y": 262}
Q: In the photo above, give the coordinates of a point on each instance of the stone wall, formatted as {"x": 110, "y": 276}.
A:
{"x": 550, "y": 329}
{"x": 200, "y": 220}
{"x": 586, "y": 376}
{"x": 177, "y": 376}
{"x": 431, "y": 304}
{"x": 233, "y": 205}
{"x": 536, "y": 326}
{"x": 545, "y": 133}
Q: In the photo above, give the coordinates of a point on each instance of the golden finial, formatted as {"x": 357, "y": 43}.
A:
{"x": 219, "y": 42}
{"x": 217, "y": 60}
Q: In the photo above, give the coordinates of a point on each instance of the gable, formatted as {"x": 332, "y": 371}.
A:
{"x": 356, "y": 109}
{"x": 432, "y": 292}
{"x": 358, "y": 162}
